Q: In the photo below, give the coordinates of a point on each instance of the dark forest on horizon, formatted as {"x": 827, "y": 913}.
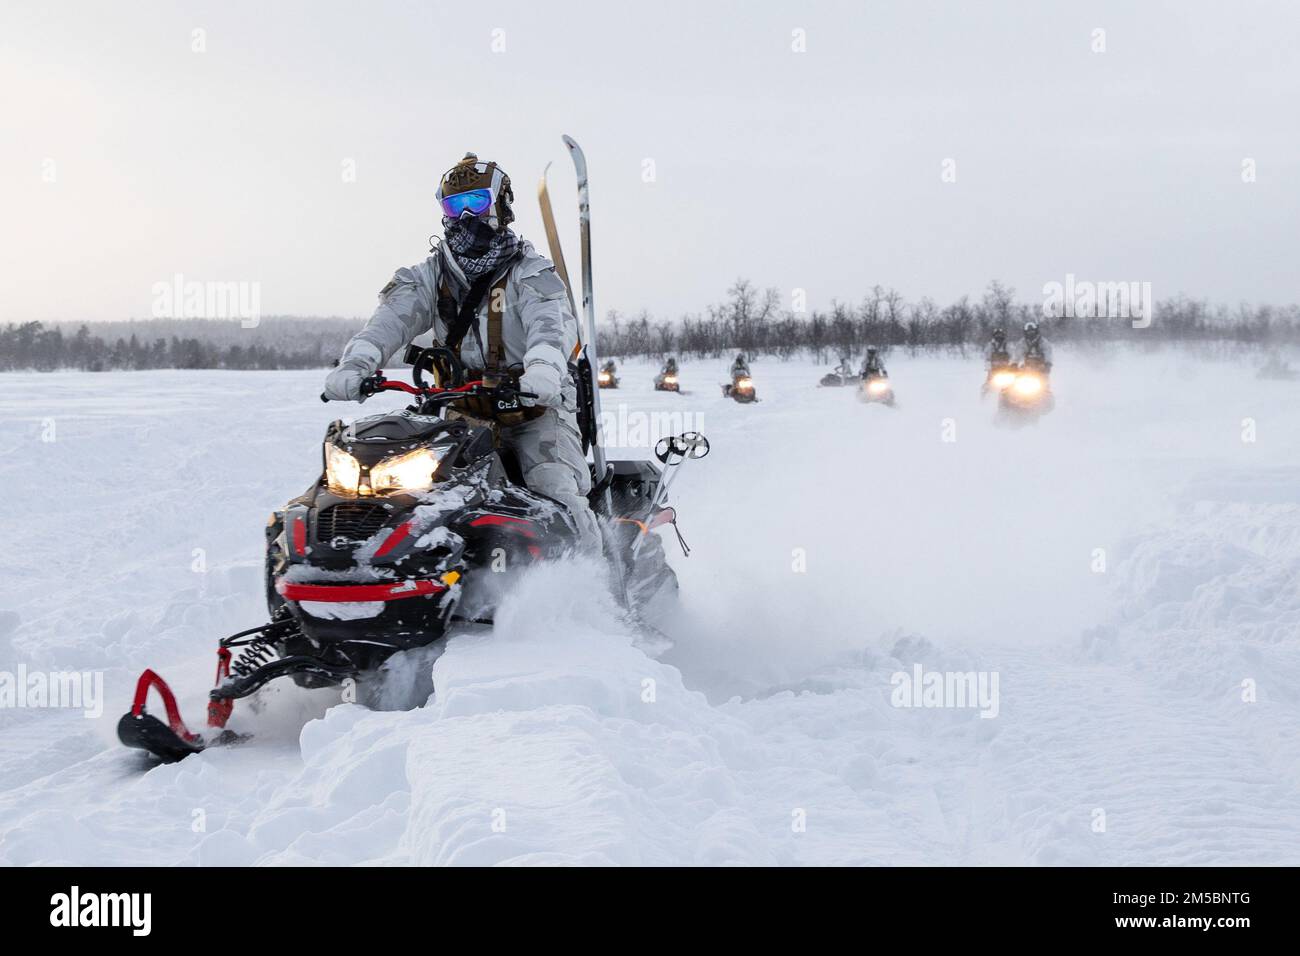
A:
{"x": 751, "y": 320}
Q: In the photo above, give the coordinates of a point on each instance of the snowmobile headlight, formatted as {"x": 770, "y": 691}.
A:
{"x": 1028, "y": 385}
{"x": 604, "y": 377}
{"x": 745, "y": 384}
{"x": 410, "y": 472}
{"x": 878, "y": 386}
{"x": 670, "y": 379}
{"x": 1003, "y": 379}
{"x": 342, "y": 471}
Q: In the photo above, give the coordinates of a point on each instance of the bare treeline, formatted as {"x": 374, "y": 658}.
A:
{"x": 273, "y": 343}
{"x": 753, "y": 321}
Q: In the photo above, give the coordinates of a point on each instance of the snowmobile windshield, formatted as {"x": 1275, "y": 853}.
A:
{"x": 476, "y": 202}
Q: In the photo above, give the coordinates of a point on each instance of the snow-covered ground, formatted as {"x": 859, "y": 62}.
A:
{"x": 1128, "y": 571}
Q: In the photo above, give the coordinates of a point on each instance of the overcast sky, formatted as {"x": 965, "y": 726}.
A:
{"x": 127, "y": 157}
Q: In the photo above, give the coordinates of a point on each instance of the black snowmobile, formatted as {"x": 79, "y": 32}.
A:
{"x": 740, "y": 388}
{"x": 837, "y": 378}
{"x": 666, "y": 381}
{"x": 393, "y": 544}
{"x": 1030, "y": 393}
{"x": 402, "y": 537}
{"x": 876, "y": 389}
{"x": 607, "y": 377}
{"x": 1001, "y": 375}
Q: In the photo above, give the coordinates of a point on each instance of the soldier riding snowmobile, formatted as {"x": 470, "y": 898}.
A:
{"x": 741, "y": 386}
{"x": 1030, "y": 394}
{"x": 1000, "y": 371}
{"x": 608, "y": 377}
{"x": 876, "y": 386}
{"x": 839, "y": 376}
{"x": 401, "y": 535}
{"x": 666, "y": 380}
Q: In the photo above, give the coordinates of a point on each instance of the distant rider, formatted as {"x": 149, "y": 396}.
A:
{"x": 739, "y": 368}
{"x": 1035, "y": 350}
{"x": 670, "y": 367}
{"x": 872, "y": 366}
{"x": 998, "y": 353}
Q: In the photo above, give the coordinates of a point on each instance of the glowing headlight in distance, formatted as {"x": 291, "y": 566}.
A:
{"x": 1029, "y": 384}
{"x": 670, "y": 379}
{"x": 878, "y": 387}
{"x": 410, "y": 472}
{"x": 342, "y": 471}
{"x": 745, "y": 384}
{"x": 604, "y": 376}
{"x": 1003, "y": 379}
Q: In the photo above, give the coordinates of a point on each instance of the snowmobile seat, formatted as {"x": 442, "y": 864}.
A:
{"x": 510, "y": 461}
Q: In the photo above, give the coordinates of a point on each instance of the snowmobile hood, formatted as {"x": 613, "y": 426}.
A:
{"x": 379, "y": 436}
{"x": 403, "y": 426}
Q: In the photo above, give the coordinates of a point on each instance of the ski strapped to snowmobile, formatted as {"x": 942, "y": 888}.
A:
{"x": 387, "y": 549}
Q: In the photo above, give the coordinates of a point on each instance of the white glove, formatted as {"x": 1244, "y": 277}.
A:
{"x": 543, "y": 380}
{"x": 343, "y": 384}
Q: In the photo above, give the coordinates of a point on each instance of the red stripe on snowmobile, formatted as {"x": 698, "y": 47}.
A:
{"x": 393, "y": 540}
{"x": 151, "y": 680}
{"x": 416, "y": 587}
{"x": 508, "y": 520}
{"x": 299, "y": 536}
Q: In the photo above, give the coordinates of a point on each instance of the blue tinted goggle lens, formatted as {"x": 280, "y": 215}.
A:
{"x": 476, "y": 202}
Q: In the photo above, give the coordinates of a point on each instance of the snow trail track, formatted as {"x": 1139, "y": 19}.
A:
{"x": 134, "y": 539}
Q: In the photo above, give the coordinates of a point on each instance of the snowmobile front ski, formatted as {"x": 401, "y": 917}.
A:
{"x": 258, "y": 664}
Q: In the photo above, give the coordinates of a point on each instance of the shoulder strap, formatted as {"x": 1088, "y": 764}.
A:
{"x": 496, "y": 348}
{"x": 458, "y": 320}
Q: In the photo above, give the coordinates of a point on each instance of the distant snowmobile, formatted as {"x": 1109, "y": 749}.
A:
{"x": 1029, "y": 395}
{"x": 741, "y": 389}
{"x": 1001, "y": 369}
{"x": 999, "y": 378}
{"x": 875, "y": 385}
{"x": 839, "y": 376}
{"x": 666, "y": 380}
{"x": 877, "y": 389}
{"x": 607, "y": 377}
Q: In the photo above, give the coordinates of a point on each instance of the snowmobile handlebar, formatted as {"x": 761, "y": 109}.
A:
{"x": 377, "y": 383}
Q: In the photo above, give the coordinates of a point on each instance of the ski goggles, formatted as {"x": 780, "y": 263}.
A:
{"x": 476, "y": 202}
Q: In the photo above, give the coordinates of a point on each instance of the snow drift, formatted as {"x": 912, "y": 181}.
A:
{"x": 1127, "y": 568}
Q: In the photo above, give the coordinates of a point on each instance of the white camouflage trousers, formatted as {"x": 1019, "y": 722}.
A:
{"x": 549, "y": 449}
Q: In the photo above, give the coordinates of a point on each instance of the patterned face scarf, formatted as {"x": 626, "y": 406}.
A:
{"x": 479, "y": 249}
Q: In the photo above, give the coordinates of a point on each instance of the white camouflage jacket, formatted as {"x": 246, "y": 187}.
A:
{"x": 538, "y": 326}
